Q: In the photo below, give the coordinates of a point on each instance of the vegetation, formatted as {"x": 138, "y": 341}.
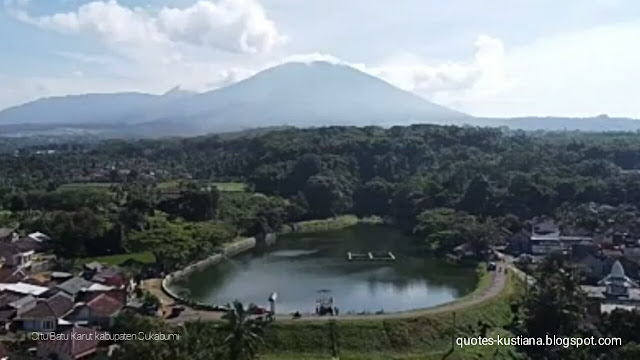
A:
{"x": 423, "y": 337}
{"x": 121, "y": 259}
{"x": 557, "y": 306}
{"x": 238, "y": 337}
{"x": 244, "y": 332}
{"x": 180, "y": 199}
{"x": 335, "y": 223}
{"x": 442, "y": 183}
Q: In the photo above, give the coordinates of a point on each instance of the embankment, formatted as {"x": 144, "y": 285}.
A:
{"x": 334, "y": 223}
{"x": 232, "y": 249}
{"x": 426, "y": 336}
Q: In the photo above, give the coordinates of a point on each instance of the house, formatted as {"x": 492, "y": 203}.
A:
{"x": 9, "y": 275}
{"x": 92, "y": 268}
{"x": 23, "y": 304}
{"x": 40, "y": 237}
{"x": 74, "y": 286}
{"x": 101, "y": 311}
{"x": 47, "y": 314}
{"x": 94, "y": 291}
{"x": 15, "y": 255}
{"x": 60, "y": 276}
{"x": 23, "y": 289}
{"x": 75, "y": 343}
{"x": 110, "y": 276}
{"x": 12, "y": 305}
{"x": 546, "y": 239}
{"x": 8, "y": 234}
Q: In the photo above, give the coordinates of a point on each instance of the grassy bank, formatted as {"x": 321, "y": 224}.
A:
{"x": 142, "y": 257}
{"x": 425, "y": 337}
{"x": 334, "y": 223}
{"x": 229, "y": 186}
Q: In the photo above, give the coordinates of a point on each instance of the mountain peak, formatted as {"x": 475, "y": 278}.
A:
{"x": 177, "y": 91}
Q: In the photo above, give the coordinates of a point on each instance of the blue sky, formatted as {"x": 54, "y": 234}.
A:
{"x": 487, "y": 58}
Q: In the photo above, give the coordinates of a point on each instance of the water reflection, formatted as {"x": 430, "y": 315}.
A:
{"x": 298, "y": 266}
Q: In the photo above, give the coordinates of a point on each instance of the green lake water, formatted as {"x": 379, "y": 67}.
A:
{"x": 298, "y": 266}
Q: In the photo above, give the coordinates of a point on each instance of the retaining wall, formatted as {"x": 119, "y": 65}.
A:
{"x": 232, "y": 249}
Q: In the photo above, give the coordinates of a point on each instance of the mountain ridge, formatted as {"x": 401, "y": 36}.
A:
{"x": 291, "y": 94}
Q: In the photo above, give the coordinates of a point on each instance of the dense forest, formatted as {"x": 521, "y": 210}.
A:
{"x": 441, "y": 182}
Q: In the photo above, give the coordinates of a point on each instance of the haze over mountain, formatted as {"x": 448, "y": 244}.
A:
{"x": 293, "y": 94}
{"x": 297, "y": 94}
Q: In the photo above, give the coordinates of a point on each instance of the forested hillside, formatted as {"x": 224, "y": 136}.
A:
{"x": 436, "y": 181}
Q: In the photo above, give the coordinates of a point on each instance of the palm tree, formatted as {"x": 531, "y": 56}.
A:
{"x": 197, "y": 342}
{"x": 245, "y": 331}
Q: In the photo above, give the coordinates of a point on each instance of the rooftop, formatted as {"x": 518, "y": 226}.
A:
{"x": 11, "y": 275}
{"x": 24, "y": 288}
{"x": 56, "y": 306}
{"x": 26, "y": 244}
{"x": 22, "y": 301}
{"x": 6, "y": 231}
{"x": 82, "y": 344}
{"x": 104, "y": 305}
{"x": 74, "y": 285}
{"x": 94, "y": 266}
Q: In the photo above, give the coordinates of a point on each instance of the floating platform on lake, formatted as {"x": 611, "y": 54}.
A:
{"x": 371, "y": 256}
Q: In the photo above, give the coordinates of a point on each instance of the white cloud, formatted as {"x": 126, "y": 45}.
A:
{"x": 449, "y": 82}
{"x": 232, "y": 25}
{"x": 585, "y": 72}
{"x": 581, "y": 73}
{"x": 236, "y": 25}
{"x": 152, "y": 50}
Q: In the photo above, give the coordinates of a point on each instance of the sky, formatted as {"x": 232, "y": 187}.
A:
{"x": 498, "y": 58}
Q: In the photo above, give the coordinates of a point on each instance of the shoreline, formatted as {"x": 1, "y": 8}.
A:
{"x": 231, "y": 249}
{"x": 242, "y": 245}
{"x": 197, "y": 310}
{"x": 329, "y": 224}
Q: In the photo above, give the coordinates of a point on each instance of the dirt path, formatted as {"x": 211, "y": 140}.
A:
{"x": 498, "y": 281}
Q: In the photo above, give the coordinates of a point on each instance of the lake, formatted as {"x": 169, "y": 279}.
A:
{"x": 298, "y": 266}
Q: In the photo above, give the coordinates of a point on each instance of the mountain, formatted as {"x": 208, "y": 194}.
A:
{"x": 76, "y": 109}
{"x": 177, "y": 92}
{"x": 313, "y": 94}
{"x": 555, "y": 123}
{"x": 291, "y": 94}
{"x": 295, "y": 94}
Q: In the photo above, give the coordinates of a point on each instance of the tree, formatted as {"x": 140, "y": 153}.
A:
{"x": 555, "y": 306}
{"x": 171, "y": 244}
{"x": 193, "y": 204}
{"x": 325, "y": 196}
{"x": 17, "y": 202}
{"x": 446, "y": 229}
{"x": 373, "y": 198}
{"x": 478, "y": 197}
{"x": 307, "y": 166}
{"x": 244, "y": 331}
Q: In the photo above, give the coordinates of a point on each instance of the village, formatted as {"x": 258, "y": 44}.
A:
{"x": 607, "y": 263}
{"x": 36, "y": 299}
